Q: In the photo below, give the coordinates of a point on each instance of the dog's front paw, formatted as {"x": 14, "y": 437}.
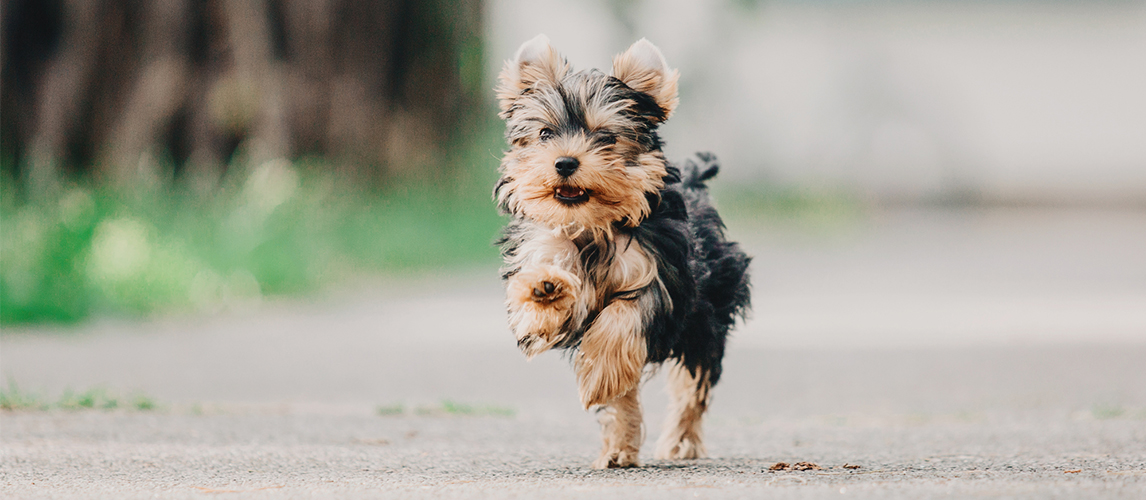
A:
{"x": 541, "y": 303}
{"x": 549, "y": 285}
{"x": 617, "y": 459}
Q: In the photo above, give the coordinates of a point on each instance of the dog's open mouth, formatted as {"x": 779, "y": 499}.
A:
{"x": 570, "y": 195}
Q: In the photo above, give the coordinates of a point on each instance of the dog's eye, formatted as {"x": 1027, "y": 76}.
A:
{"x": 607, "y": 139}
{"x": 545, "y": 134}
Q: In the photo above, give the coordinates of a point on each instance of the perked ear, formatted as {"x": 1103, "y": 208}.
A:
{"x": 643, "y": 68}
{"x": 535, "y": 61}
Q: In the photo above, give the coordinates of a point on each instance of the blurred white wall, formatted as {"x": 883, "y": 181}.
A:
{"x": 897, "y": 100}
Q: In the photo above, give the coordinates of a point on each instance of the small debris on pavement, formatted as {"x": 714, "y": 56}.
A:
{"x": 852, "y": 466}
{"x": 797, "y": 466}
{"x": 1075, "y": 471}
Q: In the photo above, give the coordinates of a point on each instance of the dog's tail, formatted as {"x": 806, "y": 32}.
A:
{"x": 699, "y": 168}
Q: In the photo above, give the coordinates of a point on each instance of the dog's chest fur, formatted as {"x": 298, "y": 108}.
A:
{"x": 648, "y": 264}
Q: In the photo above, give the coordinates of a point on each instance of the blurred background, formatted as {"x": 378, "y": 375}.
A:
{"x": 997, "y": 102}
{"x": 906, "y": 173}
{"x": 186, "y": 154}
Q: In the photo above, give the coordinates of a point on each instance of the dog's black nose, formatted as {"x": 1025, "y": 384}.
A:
{"x": 566, "y": 165}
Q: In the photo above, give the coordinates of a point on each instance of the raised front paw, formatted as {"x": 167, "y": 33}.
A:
{"x": 548, "y": 285}
{"x": 540, "y": 303}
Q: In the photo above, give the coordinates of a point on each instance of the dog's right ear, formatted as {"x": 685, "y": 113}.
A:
{"x": 535, "y": 61}
{"x": 643, "y": 68}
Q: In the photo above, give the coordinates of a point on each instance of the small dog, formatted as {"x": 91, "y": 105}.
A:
{"x": 612, "y": 251}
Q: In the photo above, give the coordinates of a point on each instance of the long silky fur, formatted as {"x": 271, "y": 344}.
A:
{"x": 640, "y": 273}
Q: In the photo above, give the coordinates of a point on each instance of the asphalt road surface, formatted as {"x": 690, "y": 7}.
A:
{"x": 994, "y": 354}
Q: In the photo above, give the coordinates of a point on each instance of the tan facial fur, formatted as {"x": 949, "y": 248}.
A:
{"x": 616, "y": 191}
{"x": 537, "y": 94}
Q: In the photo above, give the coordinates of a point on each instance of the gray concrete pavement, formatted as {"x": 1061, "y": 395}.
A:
{"x": 294, "y": 455}
{"x": 871, "y": 358}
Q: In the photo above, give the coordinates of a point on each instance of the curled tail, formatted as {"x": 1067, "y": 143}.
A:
{"x": 699, "y": 168}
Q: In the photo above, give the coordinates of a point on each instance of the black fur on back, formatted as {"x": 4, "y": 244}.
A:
{"x": 706, "y": 275}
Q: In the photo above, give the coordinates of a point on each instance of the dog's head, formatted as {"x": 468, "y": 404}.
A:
{"x": 584, "y": 153}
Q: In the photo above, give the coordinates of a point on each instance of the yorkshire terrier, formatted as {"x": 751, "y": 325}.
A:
{"x": 613, "y": 252}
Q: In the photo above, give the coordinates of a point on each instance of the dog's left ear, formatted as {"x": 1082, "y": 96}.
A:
{"x": 643, "y": 68}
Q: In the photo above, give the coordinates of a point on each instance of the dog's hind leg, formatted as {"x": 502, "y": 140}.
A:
{"x": 621, "y": 431}
{"x": 688, "y": 399}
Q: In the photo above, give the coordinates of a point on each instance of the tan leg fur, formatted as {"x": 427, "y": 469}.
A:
{"x": 688, "y": 399}
{"x": 621, "y": 432}
{"x": 612, "y": 354}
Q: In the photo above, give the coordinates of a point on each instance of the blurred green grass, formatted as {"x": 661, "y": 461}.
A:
{"x": 273, "y": 229}
{"x": 446, "y": 407}
{"x": 283, "y": 229}
{"x": 803, "y": 205}
{"x": 13, "y": 398}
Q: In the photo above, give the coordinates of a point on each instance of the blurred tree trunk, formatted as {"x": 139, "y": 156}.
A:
{"x": 59, "y": 91}
{"x": 154, "y": 96}
{"x": 125, "y": 89}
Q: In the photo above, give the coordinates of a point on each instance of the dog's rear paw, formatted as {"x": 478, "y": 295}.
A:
{"x": 685, "y": 449}
{"x": 617, "y": 459}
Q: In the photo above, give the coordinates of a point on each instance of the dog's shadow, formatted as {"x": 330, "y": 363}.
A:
{"x": 656, "y": 467}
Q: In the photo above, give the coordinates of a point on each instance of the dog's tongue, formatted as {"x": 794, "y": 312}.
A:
{"x": 569, "y": 192}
